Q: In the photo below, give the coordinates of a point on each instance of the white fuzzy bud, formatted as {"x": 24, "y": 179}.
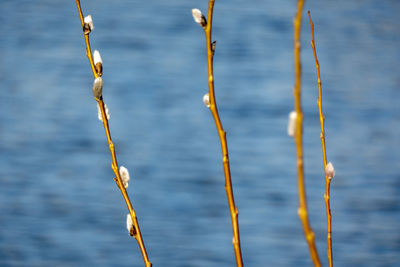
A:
{"x": 196, "y": 13}
{"x": 97, "y": 57}
{"x": 89, "y": 21}
{"x": 206, "y": 100}
{"x": 97, "y": 88}
{"x": 129, "y": 224}
{"x": 329, "y": 170}
{"x": 99, "y": 112}
{"x": 87, "y": 24}
{"x": 199, "y": 17}
{"x": 292, "y": 124}
{"x": 98, "y": 62}
{"x": 125, "y": 177}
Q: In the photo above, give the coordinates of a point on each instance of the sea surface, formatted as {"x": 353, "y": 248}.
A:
{"x": 59, "y": 205}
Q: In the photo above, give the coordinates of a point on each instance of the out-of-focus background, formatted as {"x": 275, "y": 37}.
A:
{"x": 59, "y": 205}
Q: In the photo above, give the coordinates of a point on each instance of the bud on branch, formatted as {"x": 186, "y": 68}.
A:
{"x": 199, "y": 17}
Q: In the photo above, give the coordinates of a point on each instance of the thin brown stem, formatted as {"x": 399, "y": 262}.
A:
{"x": 222, "y": 136}
{"x": 88, "y": 49}
{"x": 114, "y": 164}
{"x": 302, "y": 211}
{"x": 322, "y": 136}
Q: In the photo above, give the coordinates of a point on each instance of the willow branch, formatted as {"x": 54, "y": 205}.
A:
{"x": 114, "y": 164}
{"x": 302, "y": 211}
{"x": 88, "y": 49}
{"x": 222, "y": 136}
{"x": 322, "y": 136}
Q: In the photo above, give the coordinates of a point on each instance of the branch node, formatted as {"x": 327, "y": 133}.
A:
{"x": 213, "y": 46}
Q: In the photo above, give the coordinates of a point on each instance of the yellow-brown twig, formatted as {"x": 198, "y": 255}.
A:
{"x": 322, "y": 136}
{"x": 222, "y": 136}
{"x": 114, "y": 164}
{"x": 88, "y": 49}
{"x": 302, "y": 211}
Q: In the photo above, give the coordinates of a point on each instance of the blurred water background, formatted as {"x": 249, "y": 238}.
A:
{"x": 58, "y": 203}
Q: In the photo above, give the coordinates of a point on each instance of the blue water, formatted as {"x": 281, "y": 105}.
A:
{"x": 58, "y": 203}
